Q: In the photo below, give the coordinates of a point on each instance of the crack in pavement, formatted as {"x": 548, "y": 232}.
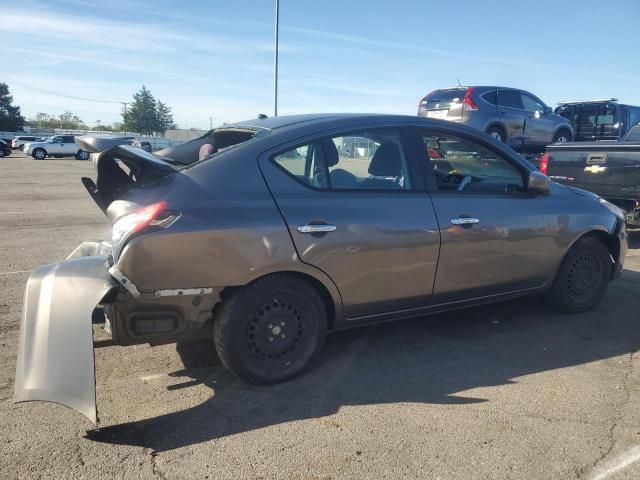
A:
{"x": 618, "y": 418}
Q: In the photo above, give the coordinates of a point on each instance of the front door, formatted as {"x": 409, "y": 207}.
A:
{"x": 511, "y": 114}
{"x": 495, "y": 238}
{"x": 353, "y": 211}
{"x": 539, "y": 126}
{"x": 55, "y": 147}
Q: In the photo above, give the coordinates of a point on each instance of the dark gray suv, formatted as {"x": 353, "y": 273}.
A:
{"x": 513, "y": 116}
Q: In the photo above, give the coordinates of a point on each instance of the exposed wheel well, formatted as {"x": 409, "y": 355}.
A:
{"x": 327, "y": 300}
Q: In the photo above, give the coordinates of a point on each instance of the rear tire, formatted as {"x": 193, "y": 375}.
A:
{"x": 82, "y": 155}
{"x": 39, "y": 154}
{"x": 582, "y": 278}
{"x": 267, "y": 332}
{"x": 497, "y": 133}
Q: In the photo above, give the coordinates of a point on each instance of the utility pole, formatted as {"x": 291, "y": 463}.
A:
{"x": 275, "y": 69}
{"x": 210, "y": 123}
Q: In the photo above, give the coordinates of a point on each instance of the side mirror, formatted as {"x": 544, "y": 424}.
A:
{"x": 548, "y": 111}
{"x": 538, "y": 183}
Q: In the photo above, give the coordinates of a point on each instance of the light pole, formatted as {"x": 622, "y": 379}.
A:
{"x": 275, "y": 69}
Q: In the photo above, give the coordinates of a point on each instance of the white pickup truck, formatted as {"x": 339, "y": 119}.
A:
{"x": 56, "y": 146}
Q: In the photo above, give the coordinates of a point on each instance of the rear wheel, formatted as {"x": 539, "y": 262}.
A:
{"x": 82, "y": 155}
{"x": 39, "y": 154}
{"x": 496, "y": 133}
{"x": 268, "y": 331}
{"x": 583, "y": 277}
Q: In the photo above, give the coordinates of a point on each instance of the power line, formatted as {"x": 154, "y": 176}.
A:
{"x": 58, "y": 94}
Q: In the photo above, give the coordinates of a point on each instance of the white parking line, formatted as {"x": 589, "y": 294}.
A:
{"x": 620, "y": 463}
{"x": 17, "y": 271}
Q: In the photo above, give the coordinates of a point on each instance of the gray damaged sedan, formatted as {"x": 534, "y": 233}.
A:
{"x": 292, "y": 227}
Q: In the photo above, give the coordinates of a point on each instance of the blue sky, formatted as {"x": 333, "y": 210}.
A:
{"x": 214, "y": 58}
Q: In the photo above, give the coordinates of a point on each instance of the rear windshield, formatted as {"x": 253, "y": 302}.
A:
{"x": 443, "y": 98}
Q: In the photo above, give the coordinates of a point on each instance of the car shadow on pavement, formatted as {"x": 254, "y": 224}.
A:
{"x": 427, "y": 360}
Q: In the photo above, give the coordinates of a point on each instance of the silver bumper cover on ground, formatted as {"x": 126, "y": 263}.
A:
{"x": 55, "y": 350}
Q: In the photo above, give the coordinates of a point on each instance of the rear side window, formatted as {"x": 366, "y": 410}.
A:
{"x": 369, "y": 160}
{"x": 67, "y": 139}
{"x": 491, "y": 97}
{"x": 509, "y": 98}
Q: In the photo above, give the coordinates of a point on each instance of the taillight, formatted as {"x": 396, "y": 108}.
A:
{"x": 139, "y": 219}
{"x": 467, "y": 101}
{"x": 544, "y": 163}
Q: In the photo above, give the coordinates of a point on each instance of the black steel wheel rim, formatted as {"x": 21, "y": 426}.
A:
{"x": 585, "y": 277}
{"x": 279, "y": 330}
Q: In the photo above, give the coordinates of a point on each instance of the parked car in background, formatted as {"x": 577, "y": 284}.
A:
{"x": 604, "y": 119}
{"x": 515, "y": 117}
{"x": 18, "y": 142}
{"x": 5, "y": 149}
{"x": 303, "y": 239}
{"x": 56, "y": 146}
{"x": 610, "y": 169}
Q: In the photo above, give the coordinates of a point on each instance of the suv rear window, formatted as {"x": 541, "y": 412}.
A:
{"x": 443, "y": 98}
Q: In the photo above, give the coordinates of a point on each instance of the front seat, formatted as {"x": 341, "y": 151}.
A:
{"x": 386, "y": 162}
{"x": 339, "y": 178}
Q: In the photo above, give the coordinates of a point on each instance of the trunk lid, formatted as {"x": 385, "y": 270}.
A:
{"x": 443, "y": 104}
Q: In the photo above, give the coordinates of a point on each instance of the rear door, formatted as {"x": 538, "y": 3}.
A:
{"x": 511, "y": 114}
{"x": 357, "y": 211}
{"x": 68, "y": 146}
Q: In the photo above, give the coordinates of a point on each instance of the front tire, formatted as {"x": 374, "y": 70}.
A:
{"x": 497, "y": 133}
{"x": 39, "y": 154}
{"x": 562, "y": 136}
{"x": 267, "y": 332}
{"x": 583, "y": 277}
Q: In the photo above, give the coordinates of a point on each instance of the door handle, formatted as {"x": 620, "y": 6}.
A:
{"x": 464, "y": 221}
{"x": 321, "y": 228}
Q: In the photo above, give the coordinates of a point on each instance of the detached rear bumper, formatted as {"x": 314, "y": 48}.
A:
{"x": 55, "y": 350}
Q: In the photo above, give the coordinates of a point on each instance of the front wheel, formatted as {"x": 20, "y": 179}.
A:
{"x": 497, "y": 134}
{"x": 268, "y": 331}
{"x": 583, "y": 277}
{"x": 562, "y": 136}
{"x": 39, "y": 154}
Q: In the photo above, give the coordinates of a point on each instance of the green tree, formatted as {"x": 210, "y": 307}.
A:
{"x": 67, "y": 120}
{"x": 164, "y": 118}
{"x": 10, "y": 118}
{"x": 141, "y": 115}
{"x": 146, "y": 115}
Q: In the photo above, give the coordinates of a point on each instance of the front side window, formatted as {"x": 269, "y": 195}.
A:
{"x": 367, "y": 160}
{"x": 56, "y": 140}
{"x": 464, "y": 166}
{"x": 509, "y": 98}
{"x": 531, "y": 104}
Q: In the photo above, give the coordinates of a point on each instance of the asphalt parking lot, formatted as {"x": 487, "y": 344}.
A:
{"x": 505, "y": 391}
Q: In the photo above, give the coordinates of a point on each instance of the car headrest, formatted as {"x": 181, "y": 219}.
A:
{"x": 331, "y": 156}
{"x": 387, "y": 161}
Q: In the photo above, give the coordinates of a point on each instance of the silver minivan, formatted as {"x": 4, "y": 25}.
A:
{"x": 515, "y": 117}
